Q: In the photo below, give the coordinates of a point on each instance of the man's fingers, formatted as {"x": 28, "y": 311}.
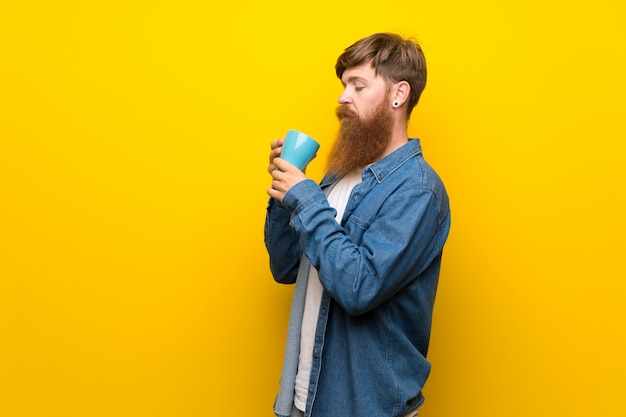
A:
{"x": 275, "y": 152}
{"x": 275, "y": 194}
{"x": 283, "y": 165}
{"x": 276, "y": 143}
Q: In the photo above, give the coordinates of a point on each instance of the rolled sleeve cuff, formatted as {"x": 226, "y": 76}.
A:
{"x": 302, "y": 195}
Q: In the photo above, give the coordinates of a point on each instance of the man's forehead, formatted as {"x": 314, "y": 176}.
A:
{"x": 364, "y": 72}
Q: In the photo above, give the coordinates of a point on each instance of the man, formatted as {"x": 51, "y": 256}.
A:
{"x": 364, "y": 247}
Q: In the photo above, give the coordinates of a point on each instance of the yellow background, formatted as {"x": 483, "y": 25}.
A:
{"x": 133, "y": 148}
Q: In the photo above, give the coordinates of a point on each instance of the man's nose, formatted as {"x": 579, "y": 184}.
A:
{"x": 344, "y": 98}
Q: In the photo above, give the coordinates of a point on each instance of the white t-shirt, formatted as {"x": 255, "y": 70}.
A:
{"x": 338, "y": 199}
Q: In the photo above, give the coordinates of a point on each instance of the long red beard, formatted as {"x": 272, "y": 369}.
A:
{"x": 360, "y": 142}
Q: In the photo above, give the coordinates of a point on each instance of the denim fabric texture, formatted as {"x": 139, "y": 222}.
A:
{"x": 379, "y": 268}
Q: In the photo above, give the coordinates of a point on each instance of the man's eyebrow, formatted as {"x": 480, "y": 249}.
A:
{"x": 352, "y": 79}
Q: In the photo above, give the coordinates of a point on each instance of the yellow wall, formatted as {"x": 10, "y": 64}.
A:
{"x": 133, "y": 145}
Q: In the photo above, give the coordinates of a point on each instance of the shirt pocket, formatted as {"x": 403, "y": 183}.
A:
{"x": 355, "y": 227}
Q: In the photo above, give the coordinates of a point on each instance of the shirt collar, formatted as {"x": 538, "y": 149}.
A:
{"x": 383, "y": 168}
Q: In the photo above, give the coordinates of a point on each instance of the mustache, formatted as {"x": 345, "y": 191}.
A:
{"x": 343, "y": 112}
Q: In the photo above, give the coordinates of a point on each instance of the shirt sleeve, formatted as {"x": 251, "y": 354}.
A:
{"x": 394, "y": 248}
{"x": 282, "y": 243}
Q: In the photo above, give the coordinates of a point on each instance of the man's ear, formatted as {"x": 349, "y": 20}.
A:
{"x": 402, "y": 91}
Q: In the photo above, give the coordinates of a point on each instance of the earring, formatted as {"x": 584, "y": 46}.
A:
{"x": 395, "y": 104}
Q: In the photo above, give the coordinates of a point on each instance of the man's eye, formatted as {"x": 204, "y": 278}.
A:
{"x": 359, "y": 87}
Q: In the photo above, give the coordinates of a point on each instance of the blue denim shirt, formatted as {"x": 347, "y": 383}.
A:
{"x": 379, "y": 268}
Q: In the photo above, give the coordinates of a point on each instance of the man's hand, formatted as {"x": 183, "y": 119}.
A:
{"x": 284, "y": 175}
{"x": 277, "y": 148}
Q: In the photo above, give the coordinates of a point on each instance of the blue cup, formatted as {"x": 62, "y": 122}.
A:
{"x": 299, "y": 148}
